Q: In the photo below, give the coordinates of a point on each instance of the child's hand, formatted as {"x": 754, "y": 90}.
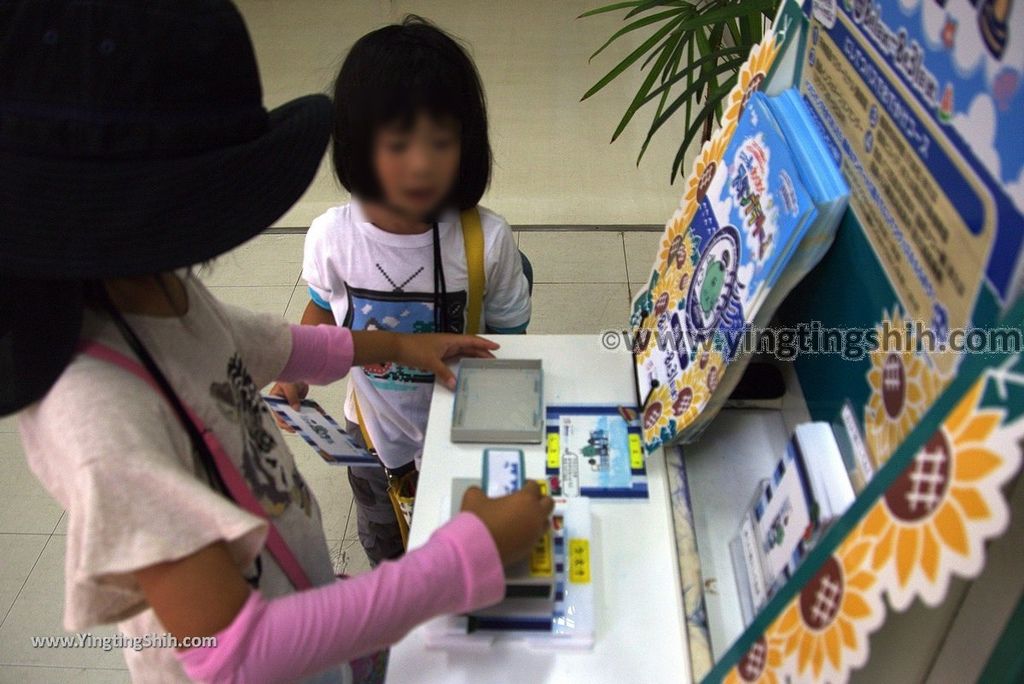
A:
{"x": 515, "y": 521}
{"x": 426, "y": 351}
{"x": 429, "y": 352}
{"x": 293, "y": 393}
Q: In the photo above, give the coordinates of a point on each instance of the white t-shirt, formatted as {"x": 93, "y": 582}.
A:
{"x": 111, "y": 450}
{"x": 376, "y": 280}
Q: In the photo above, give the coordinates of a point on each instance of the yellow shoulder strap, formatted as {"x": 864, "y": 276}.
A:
{"x": 362, "y": 425}
{"x": 473, "y": 237}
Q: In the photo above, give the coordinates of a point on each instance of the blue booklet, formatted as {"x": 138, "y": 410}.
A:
{"x": 763, "y": 212}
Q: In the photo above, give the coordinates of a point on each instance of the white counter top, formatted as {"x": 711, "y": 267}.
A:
{"x": 640, "y": 633}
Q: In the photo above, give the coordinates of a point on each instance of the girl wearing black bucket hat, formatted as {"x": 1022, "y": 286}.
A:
{"x": 133, "y": 144}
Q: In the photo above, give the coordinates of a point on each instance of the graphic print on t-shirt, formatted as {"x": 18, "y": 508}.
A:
{"x": 405, "y": 312}
{"x": 398, "y": 287}
{"x": 276, "y": 482}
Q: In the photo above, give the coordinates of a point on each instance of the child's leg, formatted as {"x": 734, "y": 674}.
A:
{"x": 378, "y": 528}
{"x": 379, "y": 533}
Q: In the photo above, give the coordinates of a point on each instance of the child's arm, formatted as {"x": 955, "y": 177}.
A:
{"x": 295, "y": 392}
{"x": 320, "y": 284}
{"x": 317, "y": 315}
{"x": 458, "y": 569}
{"x": 324, "y": 353}
{"x": 426, "y": 351}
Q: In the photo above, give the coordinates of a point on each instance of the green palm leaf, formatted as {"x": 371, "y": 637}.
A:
{"x": 638, "y": 24}
{"x": 632, "y": 57}
{"x": 710, "y": 105}
{"x": 713, "y": 58}
{"x": 651, "y": 4}
{"x": 642, "y": 94}
{"x": 698, "y": 86}
{"x": 693, "y": 57}
{"x": 609, "y": 8}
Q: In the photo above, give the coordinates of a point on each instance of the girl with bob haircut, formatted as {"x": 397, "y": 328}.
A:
{"x": 411, "y": 251}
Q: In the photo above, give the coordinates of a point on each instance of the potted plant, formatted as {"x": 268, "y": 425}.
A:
{"x": 692, "y": 59}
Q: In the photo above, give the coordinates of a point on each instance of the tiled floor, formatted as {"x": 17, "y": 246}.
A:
{"x": 583, "y": 280}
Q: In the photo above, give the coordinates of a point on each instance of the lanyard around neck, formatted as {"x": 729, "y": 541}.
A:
{"x": 441, "y": 322}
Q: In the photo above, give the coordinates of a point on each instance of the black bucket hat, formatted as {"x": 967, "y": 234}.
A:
{"x": 133, "y": 140}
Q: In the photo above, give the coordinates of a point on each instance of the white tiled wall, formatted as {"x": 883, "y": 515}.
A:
{"x": 553, "y": 161}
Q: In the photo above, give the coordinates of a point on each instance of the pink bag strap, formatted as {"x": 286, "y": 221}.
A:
{"x": 237, "y": 487}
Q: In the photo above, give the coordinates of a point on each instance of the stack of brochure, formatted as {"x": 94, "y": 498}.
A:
{"x": 764, "y": 216}
{"x": 808, "y": 490}
{"x": 823, "y": 181}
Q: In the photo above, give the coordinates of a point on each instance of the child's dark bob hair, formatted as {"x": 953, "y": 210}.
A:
{"x": 390, "y": 76}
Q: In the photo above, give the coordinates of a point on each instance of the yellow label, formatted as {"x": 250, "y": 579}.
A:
{"x": 541, "y": 556}
{"x": 553, "y": 455}
{"x": 579, "y": 561}
{"x": 543, "y": 484}
{"x": 636, "y": 452}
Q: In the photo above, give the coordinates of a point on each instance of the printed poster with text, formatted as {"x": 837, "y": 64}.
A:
{"x": 920, "y": 102}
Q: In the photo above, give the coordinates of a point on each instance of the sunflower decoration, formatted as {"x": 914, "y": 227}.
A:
{"x": 643, "y": 303}
{"x": 695, "y": 385}
{"x": 677, "y": 261}
{"x": 658, "y": 423}
{"x": 707, "y": 163}
{"x": 662, "y": 298}
{"x": 676, "y": 255}
{"x": 934, "y": 519}
{"x": 678, "y": 224}
{"x": 751, "y": 76}
{"x": 710, "y": 159}
{"x": 903, "y": 386}
{"x": 760, "y": 664}
{"x": 823, "y": 632}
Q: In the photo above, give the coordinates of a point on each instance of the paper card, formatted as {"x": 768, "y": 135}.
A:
{"x": 503, "y": 471}
{"x": 321, "y": 432}
{"x": 752, "y": 561}
{"x": 783, "y": 517}
{"x": 596, "y": 451}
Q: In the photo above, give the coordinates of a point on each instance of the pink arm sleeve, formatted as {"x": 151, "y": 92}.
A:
{"x": 320, "y": 354}
{"x": 297, "y": 635}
